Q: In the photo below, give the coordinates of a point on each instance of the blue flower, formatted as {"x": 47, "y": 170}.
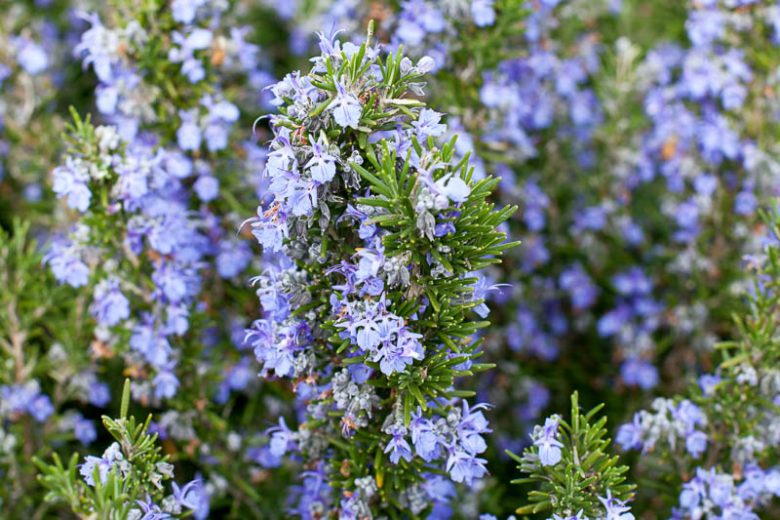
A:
{"x": 536, "y": 204}
{"x": 708, "y": 382}
{"x": 483, "y": 13}
{"x": 84, "y": 430}
{"x": 705, "y": 26}
{"x": 65, "y": 261}
{"x": 346, "y": 108}
{"x": 454, "y": 188}
{"x": 184, "y": 10}
{"x": 30, "y": 55}
{"x": 151, "y": 510}
{"x": 104, "y": 464}
{"x": 417, "y": 18}
{"x": 398, "y": 447}
{"x": 545, "y": 439}
{"x": 633, "y": 282}
{"x": 194, "y": 497}
{"x": 424, "y": 438}
{"x": 72, "y": 181}
{"x": 165, "y": 384}
{"x": 173, "y": 282}
{"x": 370, "y": 262}
{"x": 428, "y": 124}
{"x": 471, "y": 427}
{"x": 98, "y": 393}
{"x": 195, "y": 40}
{"x": 611, "y": 322}
{"x": 221, "y": 115}
{"x": 275, "y": 345}
{"x": 465, "y": 467}
{"x": 100, "y": 48}
{"x": 206, "y": 187}
{"x": 270, "y": 228}
{"x": 282, "y": 439}
{"x": 109, "y": 305}
{"x": 395, "y": 354}
{"x": 615, "y": 509}
{"x": 106, "y": 99}
{"x": 41, "y": 408}
{"x": 147, "y": 340}
{"x": 322, "y": 165}
{"x": 745, "y": 203}
{"x": 481, "y": 290}
{"x": 578, "y": 516}
{"x": 581, "y": 289}
{"x": 629, "y": 435}
{"x": 189, "y": 135}
{"x": 233, "y": 258}
{"x": 27, "y": 398}
{"x": 638, "y": 372}
{"x": 696, "y": 443}
{"x": 690, "y": 415}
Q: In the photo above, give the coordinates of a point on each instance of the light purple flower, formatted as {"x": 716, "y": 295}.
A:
{"x": 483, "y": 13}
{"x": 398, "y": 447}
{"x": 282, "y": 439}
{"x": 545, "y": 438}
{"x": 346, "y": 108}
{"x": 322, "y": 165}
{"x": 428, "y": 124}
{"x": 30, "y": 55}
{"x": 465, "y": 467}
{"x": 189, "y": 134}
{"x": 104, "y": 464}
{"x": 109, "y": 305}
{"x": 72, "y": 181}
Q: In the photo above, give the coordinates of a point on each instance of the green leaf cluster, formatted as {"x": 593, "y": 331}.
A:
{"x": 587, "y": 471}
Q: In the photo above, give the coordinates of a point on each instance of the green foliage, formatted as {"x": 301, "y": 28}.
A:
{"x": 475, "y": 244}
{"x": 585, "y": 474}
{"x": 27, "y": 300}
{"x": 41, "y": 326}
{"x": 759, "y": 328}
{"x": 738, "y": 402}
{"x": 138, "y": 475}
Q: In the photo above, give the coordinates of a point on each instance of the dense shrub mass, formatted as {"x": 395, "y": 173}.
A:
{"x": 390, "y": 259}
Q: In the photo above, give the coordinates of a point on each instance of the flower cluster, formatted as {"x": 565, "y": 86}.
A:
{"x": 27, "y": 398}
{"x": 153, "y": 197}
{"x": 139, "y": 189}
{"x": 733, "y": 425}
{"x": 670, "y": 422}
{"x": 711, "y": 494}
{"x": 636, "y": 136}
{"x": 625, "y": 156}
{"x": 372, "y": 233}
{"x": 36, "y": 77}
{"x": 433, "y": 28}
{"x": 156, "y": 190}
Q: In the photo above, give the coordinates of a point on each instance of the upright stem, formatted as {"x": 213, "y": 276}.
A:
{"x": 18, "y": 338}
